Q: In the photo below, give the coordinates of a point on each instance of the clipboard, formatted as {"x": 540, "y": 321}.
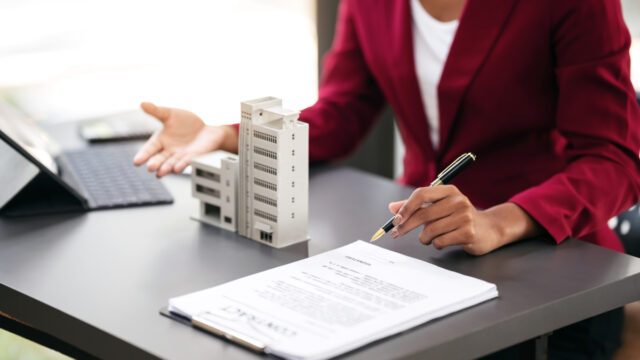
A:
{"x": 226, "y": 334}
{"x": 258, "y": 311}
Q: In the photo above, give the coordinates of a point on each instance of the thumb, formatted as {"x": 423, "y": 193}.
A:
{"x": 394, "y": 207}
{"x": 159, "y": 112}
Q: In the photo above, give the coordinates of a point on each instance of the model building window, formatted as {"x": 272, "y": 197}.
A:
{"x": 208, "y": 191}
{"x": 212, "y": 211}
{"x": 266, "y": 236}
{"x": 264, "y": 152}
{"x": 265, "y": 215}
{"x": 208, "y": 175}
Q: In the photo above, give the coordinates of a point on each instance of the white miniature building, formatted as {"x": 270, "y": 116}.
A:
{"x": 273, "y": 187}
{"x": 214, "y": 177}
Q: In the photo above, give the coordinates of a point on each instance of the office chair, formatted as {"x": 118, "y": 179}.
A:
{"x": 627, "y": 225}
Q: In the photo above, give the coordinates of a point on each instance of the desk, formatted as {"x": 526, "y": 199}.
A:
{"x": 94, "y": 282}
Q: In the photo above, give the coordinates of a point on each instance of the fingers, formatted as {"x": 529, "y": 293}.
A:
{"x": 159, "y": 112}
{"x": 459, "y": 236}
{"x": 166, "y": 162}
{"x": 150, "y": 148}
{"x": 184, "y": 161}
{"x": 421, "y": 196}
{"x": 395, "y": 206}
{"x": 157, "y": 160}
{"x": 427, "y": 214}
{"x": 167, "y": 165}
{"x": 181, "y": 165}
{"x": 438, "y": 228}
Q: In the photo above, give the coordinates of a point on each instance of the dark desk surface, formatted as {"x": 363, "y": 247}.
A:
{"x": 97, "y": 280}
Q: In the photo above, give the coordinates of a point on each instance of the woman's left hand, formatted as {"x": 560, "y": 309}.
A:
{"x": 449, "y": 218}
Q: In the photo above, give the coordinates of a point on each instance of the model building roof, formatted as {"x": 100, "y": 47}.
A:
{"x": 214, "y": 159}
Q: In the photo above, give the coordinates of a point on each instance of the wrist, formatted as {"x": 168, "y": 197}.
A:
{"x": 229, "y": 138}
{"x": 511, "y": 223}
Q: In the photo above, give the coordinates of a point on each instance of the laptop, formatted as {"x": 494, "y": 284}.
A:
{"x": 37, "y": 178}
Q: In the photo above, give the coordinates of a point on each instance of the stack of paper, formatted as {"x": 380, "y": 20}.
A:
{"x": 331, "y": 303}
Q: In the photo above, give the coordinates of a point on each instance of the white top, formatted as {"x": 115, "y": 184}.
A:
{"x": 431, "y": 44}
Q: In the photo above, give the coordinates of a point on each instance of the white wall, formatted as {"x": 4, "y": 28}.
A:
{"x": 74, "y": 58}
{"x": 631, "y": 9}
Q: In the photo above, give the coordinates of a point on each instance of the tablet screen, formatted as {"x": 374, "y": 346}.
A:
{"x": 28, "y": 135}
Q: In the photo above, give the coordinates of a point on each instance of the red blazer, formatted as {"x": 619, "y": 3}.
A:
{"x": 538, "y": 89}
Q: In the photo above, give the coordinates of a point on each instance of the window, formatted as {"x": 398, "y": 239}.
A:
{"x": 212, "y": 211}
{"x": 265, "y": 168}
{"x": 266, "y": 137}
{"x": 265, "y": 184}
{"x": 208, "y": 175}
{"x": 228, "y": 220}
{"x": 264, "y": 152}
{"x": 265, "y": 215}
{"x": 266, "y": 236}
{"x": 265, "y": 200}
{"x": 208, "y": 191}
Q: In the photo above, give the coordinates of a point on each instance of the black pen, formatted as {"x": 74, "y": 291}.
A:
{"x": 444, "y": 177}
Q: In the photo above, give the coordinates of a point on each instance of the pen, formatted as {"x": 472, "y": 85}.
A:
{"x": 444, "y": 177}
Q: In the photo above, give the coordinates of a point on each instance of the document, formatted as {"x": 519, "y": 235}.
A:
{"x": 331, "y": 303}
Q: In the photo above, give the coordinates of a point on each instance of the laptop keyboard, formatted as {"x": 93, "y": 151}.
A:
{"x": 109, "y": 178}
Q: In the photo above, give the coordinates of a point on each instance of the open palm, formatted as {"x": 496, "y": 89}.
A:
{"x": 183, "y": 136}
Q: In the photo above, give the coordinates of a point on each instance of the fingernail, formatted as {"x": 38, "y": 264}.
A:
{"x": 397, "y": 220}
{"x": 395, "y": 234}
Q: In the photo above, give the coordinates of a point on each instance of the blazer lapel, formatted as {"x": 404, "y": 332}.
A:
{"x": 480, "y": 25}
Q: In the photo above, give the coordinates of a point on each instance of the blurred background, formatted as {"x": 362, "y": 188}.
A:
{"x": 68, "y": 60}
{"x": 72, "y": 59}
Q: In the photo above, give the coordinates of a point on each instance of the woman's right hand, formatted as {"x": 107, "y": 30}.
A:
{"x": 183, "y": 136}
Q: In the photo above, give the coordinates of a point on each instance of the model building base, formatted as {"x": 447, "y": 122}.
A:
{"x": 195, "y": 216}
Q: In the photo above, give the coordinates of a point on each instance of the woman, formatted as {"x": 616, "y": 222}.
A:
{"x": 538, "y": 89}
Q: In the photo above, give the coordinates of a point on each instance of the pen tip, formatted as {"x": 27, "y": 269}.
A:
{"x": 377, "y": 235}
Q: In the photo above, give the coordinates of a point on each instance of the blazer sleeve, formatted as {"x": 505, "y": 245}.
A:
{"x": 349, "y": 98}
{"x": 597, "y": 114}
